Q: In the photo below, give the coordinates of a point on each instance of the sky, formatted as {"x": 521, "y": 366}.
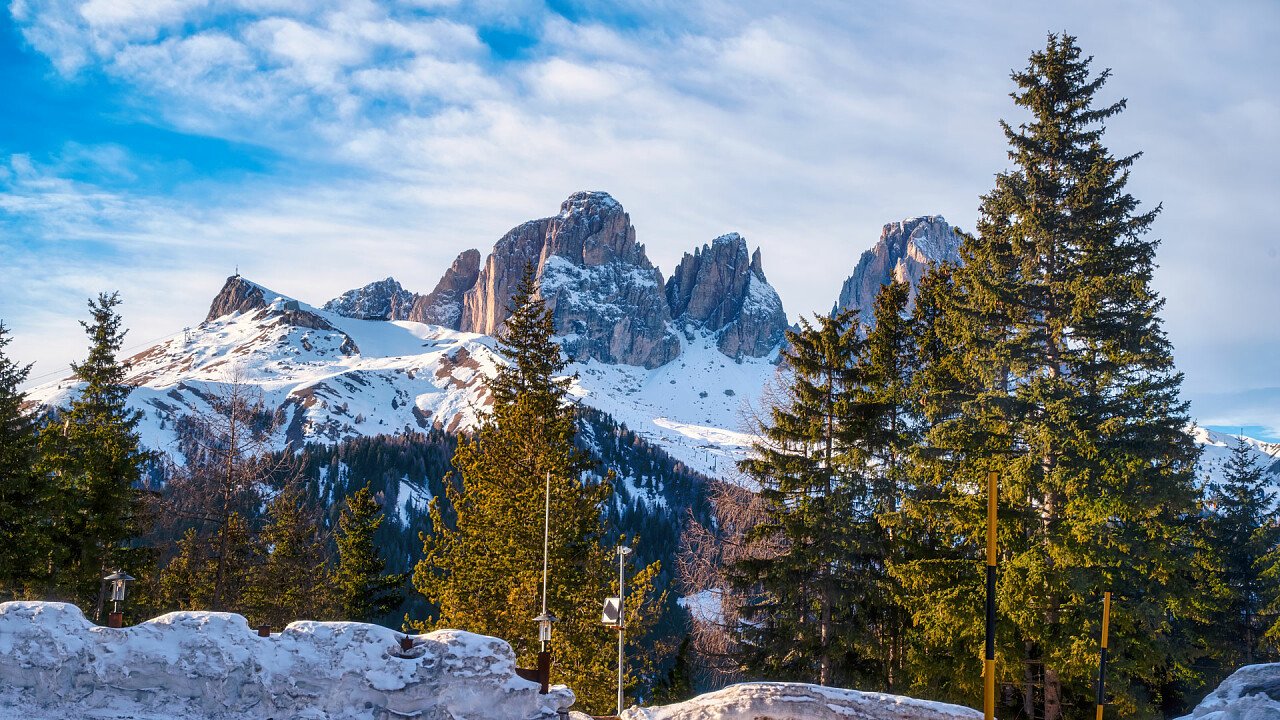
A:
{"x": 155, "y": 146}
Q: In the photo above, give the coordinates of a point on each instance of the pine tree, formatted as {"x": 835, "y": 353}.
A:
{"x": 292, "y": 582}
{"x": 1242, "y": 527}
{"x": 805, "y": 618}
{"x": 889, "y": 428}
{"x": 364, "y": 589}
{"x": 188, "y": 581}
{"x": 1065, "y": 384}
{"x": 23, "y": 488}
{"x": 93, "y": 451}
{"x": 483, "y": 562}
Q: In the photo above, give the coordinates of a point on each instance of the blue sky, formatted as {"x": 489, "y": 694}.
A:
{"x": 152, "y": 146}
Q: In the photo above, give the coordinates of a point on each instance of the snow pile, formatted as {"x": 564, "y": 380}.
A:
{"x": 208, "y": 666}
{"x": 1251, "y": 693}
{"x": 797, "y": 701}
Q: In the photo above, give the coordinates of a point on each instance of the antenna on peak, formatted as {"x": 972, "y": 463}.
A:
{"x": 237, "y": 271}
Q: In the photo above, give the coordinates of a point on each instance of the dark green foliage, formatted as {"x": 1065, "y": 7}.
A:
{"x": 364, "y": 590}
{"x": 24, "y": 490}
{"x": 1059, "y": 377}
{"x": 92, "y": 450}
{"x": 806, "y": 602}
{"x": 293, "y": 580}
{"x": 1242, "y": 528}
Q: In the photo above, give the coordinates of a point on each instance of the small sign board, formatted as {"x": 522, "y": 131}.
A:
{"x": 612, "y": 609}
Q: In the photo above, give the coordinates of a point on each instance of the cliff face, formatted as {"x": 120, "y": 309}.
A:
{"x": 606, "y": 297}
{"x": 381, "y": 300}
{"x": 236, "y": 295}
{"x": 904, "y": 252}
{"x": 444, "y": 305}
{"x": 722, "y": 290}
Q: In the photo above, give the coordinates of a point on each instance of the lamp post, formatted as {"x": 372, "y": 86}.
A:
{"x": 117, "y": 582}
{"x": 623, "y": 552}
{"x": 545, "y": 619}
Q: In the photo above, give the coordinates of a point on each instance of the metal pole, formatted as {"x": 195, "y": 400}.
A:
{"x": 621, "y": 622}
{"x": 1102, "y": 659}
{"x": 546, "y": 535}
{"x": 989, "y": 663}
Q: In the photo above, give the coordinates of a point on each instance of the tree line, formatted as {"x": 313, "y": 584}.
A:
{"x": 1040, "y": 357}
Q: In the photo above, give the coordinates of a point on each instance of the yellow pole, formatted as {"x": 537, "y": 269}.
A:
{"x": 989, "y": 663}
{"x": 1102, "y": 658}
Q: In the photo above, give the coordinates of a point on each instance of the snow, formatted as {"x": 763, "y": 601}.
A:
{"x": 209, "y": 666}
{"x": 797, "y": 701}
{"x": 1250, "y": 693}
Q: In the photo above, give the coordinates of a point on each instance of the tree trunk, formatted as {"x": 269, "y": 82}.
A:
{"x": 1052, "y": 695}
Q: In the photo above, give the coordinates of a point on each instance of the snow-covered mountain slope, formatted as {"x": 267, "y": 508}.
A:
{"x": 330, "y": 377}
{"x": 211, "y": 666}
{"x": 1218, "y": 447}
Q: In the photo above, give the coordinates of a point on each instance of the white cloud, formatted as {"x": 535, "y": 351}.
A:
{"x": 804, "y": 128}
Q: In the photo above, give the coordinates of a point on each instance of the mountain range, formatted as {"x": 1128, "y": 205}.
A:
{"x": 681, "y": 360}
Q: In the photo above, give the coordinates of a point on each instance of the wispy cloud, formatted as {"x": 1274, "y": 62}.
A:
{"x": 403, "y": 137}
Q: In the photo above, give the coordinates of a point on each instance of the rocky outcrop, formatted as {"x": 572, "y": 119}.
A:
{"x": 381, "y": 300}
{"x": 443, "y": 305}
{"x": 606, "y": 297}
{"x": 722, "y": 290}
{"x": 237, "y": 295}
{"x": 905, "y": 250}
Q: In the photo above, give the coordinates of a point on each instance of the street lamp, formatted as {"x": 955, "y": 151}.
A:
{"x": 545, "y": 619}
{"x": 623, "y": 552}
{"x": 117, "y": 582}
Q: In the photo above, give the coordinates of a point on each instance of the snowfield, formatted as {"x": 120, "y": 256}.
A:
{"x": 55, "y": 664}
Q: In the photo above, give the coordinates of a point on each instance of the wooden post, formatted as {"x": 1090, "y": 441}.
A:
{"x": 1102, "y": 658}
{"x": 544, "y": 671}
{"x": 989, "y": 659}
{"x": 264, "y": 631}
{"x": 115, "y": 619}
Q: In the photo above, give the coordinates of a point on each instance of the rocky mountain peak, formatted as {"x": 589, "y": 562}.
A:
{"x": 606, "y": 297}
{"x": 238, "y": 295}
{"x": 444, "y": 304}
{"x": 380, "y": 300}
{"x": 904, "y": 252}
{"x": 721, "y": 289}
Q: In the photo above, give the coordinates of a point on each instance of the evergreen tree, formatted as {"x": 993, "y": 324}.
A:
{"x": 93, "y": 451}
{"x": 483, "y": 562}
{"x": 889, "y": 429}
{"x": 1242, "y": 529}
{"x": 292, "y": 582}
{"x": 23, "y": 489}
{"x": 364, "y": 589}
{"x": 1065, "y": 384}
{"x": 805, "y": 611}
{"x": 189, "y": 579}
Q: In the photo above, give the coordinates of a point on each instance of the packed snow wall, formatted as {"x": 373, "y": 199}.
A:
{"x": 797, "y": 701}
{"x": 208, "y": 666}
{"x": 1250, "y": 693}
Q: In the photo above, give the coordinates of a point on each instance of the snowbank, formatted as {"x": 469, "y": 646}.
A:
{"x": 1251, "y": 693}
{"x": 209, "y": 666}
{"x": 797, "y": 701}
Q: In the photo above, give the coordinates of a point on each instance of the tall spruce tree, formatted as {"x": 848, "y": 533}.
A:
{"x": 365, "y": 590}
{"x": 93, "y": 451}
{"x": 805, "y": 611}
{"x": 483, "y": 561}
{"x": 1066, "y": 387}
{"x": 1242, "y": 528}
{"x": 23, "y": 488}
{"x": 889, "y": 427}
{"x": 293, "y": 580}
